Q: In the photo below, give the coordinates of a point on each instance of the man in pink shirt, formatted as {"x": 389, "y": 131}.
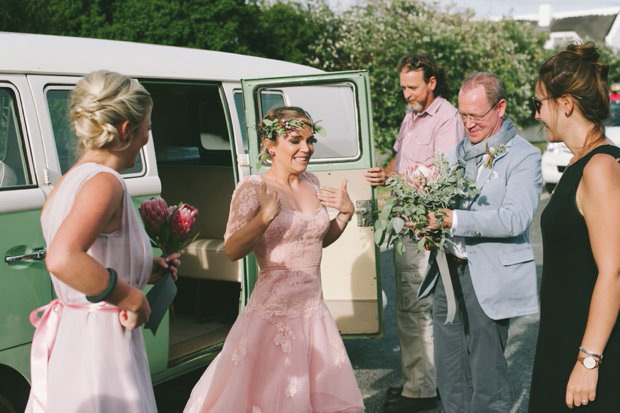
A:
{"x": 431, "y": 124}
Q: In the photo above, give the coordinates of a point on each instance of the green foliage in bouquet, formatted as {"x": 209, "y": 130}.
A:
{"x": 416, "y": 193}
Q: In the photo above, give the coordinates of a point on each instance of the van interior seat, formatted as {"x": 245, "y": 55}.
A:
{"x": 210, "y": 189}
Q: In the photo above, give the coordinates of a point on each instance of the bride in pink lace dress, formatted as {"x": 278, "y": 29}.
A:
{"x": 284, "y": 353}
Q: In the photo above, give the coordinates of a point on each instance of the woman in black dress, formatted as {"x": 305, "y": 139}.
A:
{"x": 578, "y": 352}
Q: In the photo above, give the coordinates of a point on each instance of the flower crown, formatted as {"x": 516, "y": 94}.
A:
{"x": 272, "y": 128}
{"x": 275, "y": 127}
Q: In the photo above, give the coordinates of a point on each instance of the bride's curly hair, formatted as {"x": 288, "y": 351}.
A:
{"x": 279, "y": 121}
{"x": 282, "y": 113}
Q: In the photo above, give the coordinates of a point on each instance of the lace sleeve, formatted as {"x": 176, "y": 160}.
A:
{"x": 244, "y": 205}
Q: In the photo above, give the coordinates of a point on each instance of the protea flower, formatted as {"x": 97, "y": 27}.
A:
{"x": 154, "y": 213}
{"x": 182, "y": 220}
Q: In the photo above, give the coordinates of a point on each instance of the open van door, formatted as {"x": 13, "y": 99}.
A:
{"x": 350, "y": 266}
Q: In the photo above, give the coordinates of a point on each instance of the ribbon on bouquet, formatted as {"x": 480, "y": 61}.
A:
{"x": 444, "y": 273}
{"x": 46, "y": 328}
{"x": 439, "y": 262}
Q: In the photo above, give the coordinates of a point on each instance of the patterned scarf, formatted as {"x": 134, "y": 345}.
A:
{"x": 469, "y": 155}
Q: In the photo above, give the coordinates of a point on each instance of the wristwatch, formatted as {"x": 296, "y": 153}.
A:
{"x": 588, "y": 359}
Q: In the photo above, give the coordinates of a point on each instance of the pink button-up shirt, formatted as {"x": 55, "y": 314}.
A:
{"x": 438, "y": 128}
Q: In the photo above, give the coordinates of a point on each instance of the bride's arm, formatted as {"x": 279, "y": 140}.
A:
{"x": 338, "y": 199}
{"x": 243, "y": 240}
{"x": 251, "y": 211}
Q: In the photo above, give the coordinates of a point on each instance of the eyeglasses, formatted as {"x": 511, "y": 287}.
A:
{"x": 537, "y": 103}
{"x": 476, "y": 118}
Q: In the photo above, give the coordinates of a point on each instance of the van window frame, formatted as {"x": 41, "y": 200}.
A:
{"x": 69, "y": 87}
{"x": 237, "y": 92}
{"x": 23, "y": 140}
{"x": 316, "y": 161}
{"x": 223, "y": 101}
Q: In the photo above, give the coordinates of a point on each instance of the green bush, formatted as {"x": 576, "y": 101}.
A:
{"x": 377, "y": 34}
{"x": 373, "y": 35}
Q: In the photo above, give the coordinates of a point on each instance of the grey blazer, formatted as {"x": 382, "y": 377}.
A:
{"x": 496, "y": 230}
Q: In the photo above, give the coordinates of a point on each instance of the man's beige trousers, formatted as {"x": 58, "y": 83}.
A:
{"x": 415, "y": 324}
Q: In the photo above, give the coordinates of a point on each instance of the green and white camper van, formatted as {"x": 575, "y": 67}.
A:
{"x": 203, "y": 141}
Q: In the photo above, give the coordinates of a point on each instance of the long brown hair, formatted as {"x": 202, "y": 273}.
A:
{"x": 577, "y": 72}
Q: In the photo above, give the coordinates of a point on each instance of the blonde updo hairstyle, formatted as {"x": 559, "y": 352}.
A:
{"x": 100, "y": 102}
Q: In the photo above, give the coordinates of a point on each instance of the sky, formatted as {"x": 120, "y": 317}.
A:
{"x": 494, "y": 8}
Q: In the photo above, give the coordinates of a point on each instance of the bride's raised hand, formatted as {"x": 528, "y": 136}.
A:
{"x": 337, "y": 199}
{"x": 269, "y": 207}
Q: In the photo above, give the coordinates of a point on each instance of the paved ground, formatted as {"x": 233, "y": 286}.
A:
{"x": 377, "y": 363}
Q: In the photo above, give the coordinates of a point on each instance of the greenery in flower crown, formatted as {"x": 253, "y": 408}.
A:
{"x": 272, "y": 128}
{"x": 415, "y": 193}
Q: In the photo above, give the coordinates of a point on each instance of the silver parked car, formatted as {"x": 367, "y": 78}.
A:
{"x": 556, "y": 155}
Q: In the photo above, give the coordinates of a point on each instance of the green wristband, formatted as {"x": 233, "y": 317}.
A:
{"x": 108, "y": 289}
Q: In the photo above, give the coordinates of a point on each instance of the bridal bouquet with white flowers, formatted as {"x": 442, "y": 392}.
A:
{"x": 414, "y": 194}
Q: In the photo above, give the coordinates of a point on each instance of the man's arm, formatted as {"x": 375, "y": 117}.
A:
{"x": 448, "y": 134}
{"x": 377, "y": 176}
{"x": 515, "y": 214}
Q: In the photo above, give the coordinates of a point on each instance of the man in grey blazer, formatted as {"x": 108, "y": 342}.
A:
{"x": 492, "y": 274}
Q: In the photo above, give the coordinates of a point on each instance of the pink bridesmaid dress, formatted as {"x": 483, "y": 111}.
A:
{"x": 284, "y": 353}
{"x": 83, "y": 360}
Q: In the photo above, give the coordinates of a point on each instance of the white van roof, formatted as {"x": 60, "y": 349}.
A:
{"x": 59, "y": 55}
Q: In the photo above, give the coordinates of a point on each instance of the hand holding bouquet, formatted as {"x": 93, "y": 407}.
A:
{"x": 169, "y": 228}
{"x": 416, "y": 193}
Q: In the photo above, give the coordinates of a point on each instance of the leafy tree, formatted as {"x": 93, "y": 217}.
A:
{"x": 24, "y": 16}
{"x": 206, "y": 24}
{"x": 283, "y": 30}
{"x": 378, "y": 33}
{"x": 612, "y": 58}
{"x": 373, "y": 35}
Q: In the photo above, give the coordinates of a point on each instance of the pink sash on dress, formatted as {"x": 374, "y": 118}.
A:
{"x": 43, "y": 340}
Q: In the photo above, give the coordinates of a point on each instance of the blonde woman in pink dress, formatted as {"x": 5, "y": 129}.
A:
{"x": 284, "y": 353}
{"x": 87, "y": 353}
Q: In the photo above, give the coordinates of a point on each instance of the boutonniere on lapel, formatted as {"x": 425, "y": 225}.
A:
{"x": 492, "y": 153}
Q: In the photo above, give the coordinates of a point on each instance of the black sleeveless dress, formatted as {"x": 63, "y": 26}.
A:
{"x": 569, "y": 274}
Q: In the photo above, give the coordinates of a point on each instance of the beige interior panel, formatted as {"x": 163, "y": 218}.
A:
{"x": 348, "y": 268}
{"x": 210, "y": 189}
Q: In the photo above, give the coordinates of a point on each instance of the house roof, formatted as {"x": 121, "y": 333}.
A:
{"x": 592, "y": 27}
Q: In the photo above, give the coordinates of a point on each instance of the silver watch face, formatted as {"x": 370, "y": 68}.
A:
{"x": 589, "y": 362}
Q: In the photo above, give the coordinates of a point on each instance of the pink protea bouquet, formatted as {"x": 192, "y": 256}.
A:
{"x": 168, "y": 227}
{"x": 415, "y": 193}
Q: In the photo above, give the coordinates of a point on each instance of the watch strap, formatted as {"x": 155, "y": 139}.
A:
{"x": 583, "y": 356}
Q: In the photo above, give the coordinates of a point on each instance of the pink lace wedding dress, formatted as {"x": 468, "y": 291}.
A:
{"x": 284, "y": 353}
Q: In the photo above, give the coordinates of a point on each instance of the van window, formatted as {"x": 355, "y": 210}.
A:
{"x": 189, "y": 124}
{"x": 333, "y": 107}
{"x": 58, "y": 105}
{"x": 269, "y": 99}
{"x": 13, "y": 163}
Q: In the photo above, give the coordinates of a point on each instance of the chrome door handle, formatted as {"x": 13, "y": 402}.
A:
{"x": 363, "y": 210}
{"x": 37, "y": 255}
